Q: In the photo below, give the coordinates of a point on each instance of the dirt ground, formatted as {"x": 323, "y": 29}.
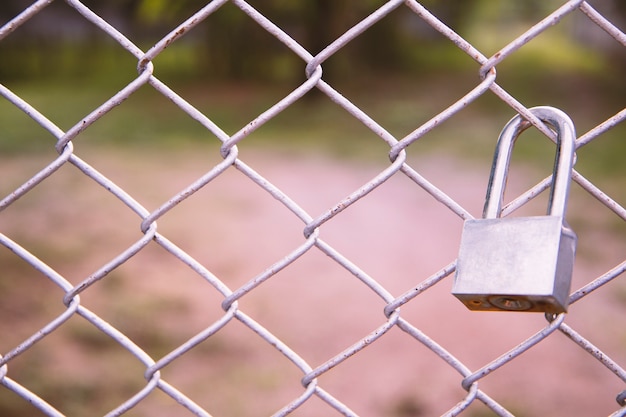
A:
{"x": 398, "y": 235}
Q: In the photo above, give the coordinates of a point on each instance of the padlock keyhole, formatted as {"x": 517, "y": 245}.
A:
{"x": 510, "y": 303}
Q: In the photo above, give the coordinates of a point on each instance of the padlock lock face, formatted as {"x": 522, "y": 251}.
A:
{"x": 520, "y": 263}
{"x": 515, "y": 264}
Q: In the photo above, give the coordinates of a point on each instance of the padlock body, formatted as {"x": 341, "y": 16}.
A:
{"x": 515, "y": 264}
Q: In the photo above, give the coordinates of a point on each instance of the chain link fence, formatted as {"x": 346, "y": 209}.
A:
{"x": 463, "y": 365}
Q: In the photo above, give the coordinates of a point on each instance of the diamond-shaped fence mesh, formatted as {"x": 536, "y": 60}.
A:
{"x": 252, "y": 280}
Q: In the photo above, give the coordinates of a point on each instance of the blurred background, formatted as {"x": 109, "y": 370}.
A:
{"x": 401, "y": 72}
{"x": 574, "y": 66}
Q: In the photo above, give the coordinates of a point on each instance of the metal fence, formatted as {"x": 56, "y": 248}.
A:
{"x": 313, "y": 394}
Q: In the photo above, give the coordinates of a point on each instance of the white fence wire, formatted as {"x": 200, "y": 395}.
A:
{"x": 313, "y": 395}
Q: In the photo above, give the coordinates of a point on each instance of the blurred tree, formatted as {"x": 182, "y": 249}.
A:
{"x": 227, "y": 51}
{"x": 230, "y": 45}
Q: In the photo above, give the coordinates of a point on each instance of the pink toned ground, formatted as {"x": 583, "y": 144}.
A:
{"x": 399, "y": 235}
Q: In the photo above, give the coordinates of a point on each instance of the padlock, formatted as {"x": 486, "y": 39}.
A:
{"x": 521, "y": 263}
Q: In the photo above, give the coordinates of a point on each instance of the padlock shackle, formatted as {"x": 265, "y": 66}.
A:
{"x": 563, "y": 126}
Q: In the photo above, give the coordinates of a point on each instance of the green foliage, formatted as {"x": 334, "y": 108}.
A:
{"x": 156, "y": 11}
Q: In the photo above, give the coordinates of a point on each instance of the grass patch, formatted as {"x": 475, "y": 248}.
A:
{"x": 148, "y": 119}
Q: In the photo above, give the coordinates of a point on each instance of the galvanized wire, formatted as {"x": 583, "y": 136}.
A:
{"x": 312, "y": 226}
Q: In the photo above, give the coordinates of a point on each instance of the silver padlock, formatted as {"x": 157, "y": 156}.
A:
{"x": 521, "y": 263}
